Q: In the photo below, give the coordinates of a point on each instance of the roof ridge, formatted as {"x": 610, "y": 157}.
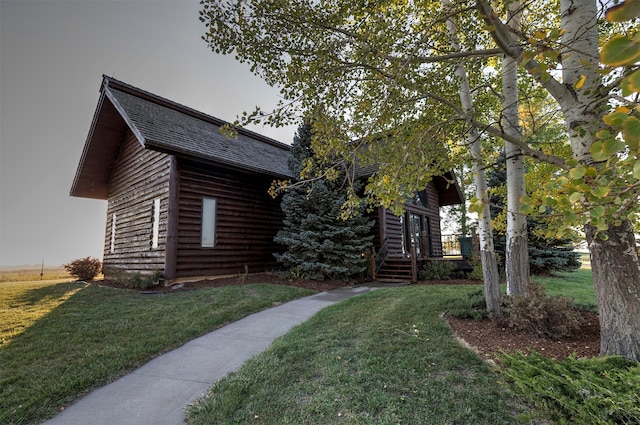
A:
{"x": 110, "y": 82}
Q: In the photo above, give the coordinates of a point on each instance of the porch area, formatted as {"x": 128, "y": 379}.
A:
{"x": 456, "y": 249}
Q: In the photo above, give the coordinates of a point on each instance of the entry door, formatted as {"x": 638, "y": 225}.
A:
{"x": 414, "y": 231}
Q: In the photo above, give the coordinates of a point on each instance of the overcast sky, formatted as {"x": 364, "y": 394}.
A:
{"x": 53, "y": 54}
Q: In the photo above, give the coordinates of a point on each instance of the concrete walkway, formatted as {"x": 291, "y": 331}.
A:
{"x": 158, "y": 392}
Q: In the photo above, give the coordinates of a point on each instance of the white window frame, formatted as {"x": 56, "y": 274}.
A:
{"x": 208, "y": 223}
{"x": 155, "y": 229}
{"x": 112, "y": 245}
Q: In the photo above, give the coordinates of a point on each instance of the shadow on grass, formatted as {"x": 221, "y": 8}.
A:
{"x": 58, "y": 291}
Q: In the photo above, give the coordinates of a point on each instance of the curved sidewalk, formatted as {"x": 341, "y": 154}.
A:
{"x": 158, "y": 392}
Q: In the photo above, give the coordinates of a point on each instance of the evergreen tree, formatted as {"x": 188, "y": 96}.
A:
{"x": 546, "y": 255}
{"x": 320, "y": 245}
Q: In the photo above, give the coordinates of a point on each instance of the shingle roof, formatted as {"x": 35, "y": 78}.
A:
{"x": 167, "y": 126}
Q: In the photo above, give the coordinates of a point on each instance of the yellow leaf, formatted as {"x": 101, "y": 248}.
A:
{"x": 578, "y": 85}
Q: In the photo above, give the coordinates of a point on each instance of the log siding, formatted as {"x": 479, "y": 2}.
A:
{"x": 138, "y": 177}
{"x": 247, "y": 219}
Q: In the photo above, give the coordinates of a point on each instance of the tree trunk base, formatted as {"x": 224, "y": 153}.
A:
{"x": 616, "y": 277}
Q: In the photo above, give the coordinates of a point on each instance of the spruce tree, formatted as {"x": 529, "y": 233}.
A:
{"x": 546, "y": 255}
{"x": 320, "y": 245}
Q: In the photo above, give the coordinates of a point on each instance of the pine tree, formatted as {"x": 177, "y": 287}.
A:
{"x": 546, "y": 255}
{"x": 320, "y": 245}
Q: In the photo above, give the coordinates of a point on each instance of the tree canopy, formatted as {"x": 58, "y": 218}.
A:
{"x": 378, "y": 79}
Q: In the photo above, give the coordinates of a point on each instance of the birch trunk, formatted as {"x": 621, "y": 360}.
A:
{"x": 487, "y": 252}
{"x": 517, "y": 250}
{"x": 614, "y": 258}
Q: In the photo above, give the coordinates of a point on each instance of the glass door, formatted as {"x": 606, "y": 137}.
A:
{"x": 414, "y": 231}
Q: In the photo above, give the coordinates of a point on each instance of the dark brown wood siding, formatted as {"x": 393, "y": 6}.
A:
{"x": 138, "y": 177}
{"x": 391, "y": 229}
{"x": 247, "y": 219}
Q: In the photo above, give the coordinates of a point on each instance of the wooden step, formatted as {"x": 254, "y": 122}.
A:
{"x": 395, "y": 270}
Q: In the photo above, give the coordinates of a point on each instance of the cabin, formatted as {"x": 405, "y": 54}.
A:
{"x": 185, "y": 200}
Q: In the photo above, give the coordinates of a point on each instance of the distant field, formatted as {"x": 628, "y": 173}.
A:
{"x": 25, "y": 274}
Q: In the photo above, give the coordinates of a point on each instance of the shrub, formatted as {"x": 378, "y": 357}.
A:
{"x": 471, "y": 307}
{"x": 84, "y": 268}
{"x": 602, "y": 391}
{"x": 544, "y": 315}
{"x": 436, "y": 270}
{"x": 137, "y": 280}
{"x": 476, "y": 272}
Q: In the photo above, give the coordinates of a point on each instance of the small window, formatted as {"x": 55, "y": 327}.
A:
{"x": 208, "y": 233}
{"x": 112, "y": 248}
{"x": 155, "y": 230}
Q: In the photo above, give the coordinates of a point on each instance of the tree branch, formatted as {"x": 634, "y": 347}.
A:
{"x": 526, "y": 149}
{"x": 502, "y": 35}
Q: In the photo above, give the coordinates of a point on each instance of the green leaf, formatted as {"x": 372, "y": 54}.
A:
{"x": 597, "y": 211}
{"x": 631, "y": 83}
{"x": 525, "y": 209}
{"x": 624, "y": 11}
{"x": 615, "y": 119}
{"x": 526, "y": 199}
{"x": 591, "y": 172}
{"x": 601, "y": 191}
{"x": 575, "y": 197}
{"x": 631, "y": 133}
{"x": 577, "y": 173}
{"x": 636, "y": 170}
{"x": 612, "y": 146}
{"x": 620, "y": 51}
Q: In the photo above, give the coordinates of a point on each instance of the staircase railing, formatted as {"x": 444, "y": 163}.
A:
{"x": 380, "y": 257}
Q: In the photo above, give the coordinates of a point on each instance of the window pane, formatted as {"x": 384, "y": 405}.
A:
{"x": 208, "y": 236}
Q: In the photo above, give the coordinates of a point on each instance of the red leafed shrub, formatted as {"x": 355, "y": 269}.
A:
{"x": 84, "y": 268}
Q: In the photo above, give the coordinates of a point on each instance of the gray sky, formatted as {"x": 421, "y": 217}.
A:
{"x": 53, "y": 54}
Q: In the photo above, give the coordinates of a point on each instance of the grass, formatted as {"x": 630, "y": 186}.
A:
{"x": 386, "y": 357}
{"x": 577, "y": 285}
{"x": 27, "y": 274}
{"x": 60, "y": 340}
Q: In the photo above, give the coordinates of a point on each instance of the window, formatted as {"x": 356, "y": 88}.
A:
{"x": 155, "y": 229}
{"x": 208, "y": 230}
{"x": 112, "y": 248}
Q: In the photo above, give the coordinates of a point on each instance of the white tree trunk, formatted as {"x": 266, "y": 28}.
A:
{"x": 614, "y": 258}
{"x": 487, "y": 252}
{"x": 517, "y": 251}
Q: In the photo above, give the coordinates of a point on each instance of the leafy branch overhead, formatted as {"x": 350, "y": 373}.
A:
{"x": 388, "y": 68}
{"x": 379, "y": 80}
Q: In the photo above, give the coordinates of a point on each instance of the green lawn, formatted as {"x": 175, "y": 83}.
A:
{"x": 577, "y": 285}
{"x": 59, "y": 340}
{"x": 386, "y": 357}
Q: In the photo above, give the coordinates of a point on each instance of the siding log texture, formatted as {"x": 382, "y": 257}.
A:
{"x": 247, "y": 219}
{"x": 138, "y": 177}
